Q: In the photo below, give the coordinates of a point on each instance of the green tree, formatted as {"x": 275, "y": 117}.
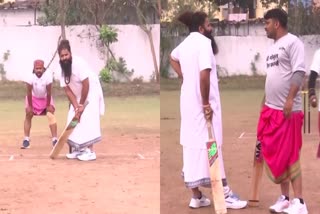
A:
{"x": 304, "y": 17}
{"x": 140, "y": 7}
{"x": 175, "y": 7}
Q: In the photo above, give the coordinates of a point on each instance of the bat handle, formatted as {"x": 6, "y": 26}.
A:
{"x": 209, "y": 126}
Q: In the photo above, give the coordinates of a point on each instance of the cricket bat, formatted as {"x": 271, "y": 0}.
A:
{"x": 64, "y": 136}
{"x": 256, "y": 176}
{"x": 215, "y": 174}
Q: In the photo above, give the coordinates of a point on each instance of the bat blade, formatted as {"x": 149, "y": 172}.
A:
{"x": 215, "y": 178}
{"x": 63, "y": 138}
{"x": 256, "y": 176}
{"x": 65, "y": 135}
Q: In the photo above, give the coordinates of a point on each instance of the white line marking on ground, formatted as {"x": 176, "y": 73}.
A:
{"x": 17, "y": 157}
{"x": 241, "y": 135}
{"x": 141, "y": 156}
{"x": 251, "y": 133}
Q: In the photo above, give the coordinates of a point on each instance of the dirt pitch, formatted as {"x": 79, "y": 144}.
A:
{"x": 240, "y": 114}
{"x": 123, "y": 179}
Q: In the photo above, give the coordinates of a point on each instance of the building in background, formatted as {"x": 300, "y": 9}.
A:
{"x": 20, "y": 12}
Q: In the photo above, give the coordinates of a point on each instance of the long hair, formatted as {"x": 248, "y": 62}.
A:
{"x": 193, "y": 20}
{"x": 66, "y": 66}
{"x": 214, "y": 45}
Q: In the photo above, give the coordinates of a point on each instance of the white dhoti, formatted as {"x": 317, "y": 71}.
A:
{"x": 88, "y": 131}
{"x": 195, "y": 169}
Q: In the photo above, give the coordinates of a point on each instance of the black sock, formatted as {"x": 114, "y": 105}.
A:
{"x": 301, "y": 200}
{"x": 286, "y": 197}
{"x": 224, "y": 182}
{"x": 200, "y": 195}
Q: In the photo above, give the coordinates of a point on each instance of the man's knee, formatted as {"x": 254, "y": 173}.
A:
{"x": 51, "y": 118}
{"x": 29, "y": 115}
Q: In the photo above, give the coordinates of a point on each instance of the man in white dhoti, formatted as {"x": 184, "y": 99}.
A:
{"x": 81, "y": 84}
{"x": 194, "y": 61}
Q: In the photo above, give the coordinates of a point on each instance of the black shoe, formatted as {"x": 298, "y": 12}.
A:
{"x": 25, "y": 144}
{"x": 54, "y": 142}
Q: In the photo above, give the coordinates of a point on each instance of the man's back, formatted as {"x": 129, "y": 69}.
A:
{"x": 194, "y": 55}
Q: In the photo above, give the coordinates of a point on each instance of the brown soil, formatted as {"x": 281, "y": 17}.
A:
{"x": 123, "y": 179}
{"x": 240, "y": 115}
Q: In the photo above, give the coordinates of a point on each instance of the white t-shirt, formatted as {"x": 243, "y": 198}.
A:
{"x": 39, "y": 85}
{"x": 194, "y": 55}
{"x": 284, "y": 57}
{"x": 80, "y": 71}
{"x": 315, "y": 66}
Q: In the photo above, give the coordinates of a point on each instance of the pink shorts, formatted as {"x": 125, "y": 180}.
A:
{"x": 39, "y": 105}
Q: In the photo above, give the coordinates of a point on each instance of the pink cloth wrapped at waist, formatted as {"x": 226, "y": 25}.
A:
{"x": 39, "y": 105}
{"x": 281, "y": 142}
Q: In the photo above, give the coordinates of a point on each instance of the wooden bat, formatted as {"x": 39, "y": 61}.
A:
{"x": 256, "y": 176}
{"x": 64, "y": 136}
{"x": 215, "y": 174}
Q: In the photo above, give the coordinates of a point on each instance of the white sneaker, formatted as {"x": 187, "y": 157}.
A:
{"x": 296, "y": 207}
{"x": 197, "y": 203}
{"x": 280, "y": 205}
{"x": 74, "y": 154}
{"x": 232, "y": 200}
{"x": 87, "y": 155}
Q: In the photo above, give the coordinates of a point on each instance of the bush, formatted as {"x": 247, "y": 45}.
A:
{"x": 106, "y": 75}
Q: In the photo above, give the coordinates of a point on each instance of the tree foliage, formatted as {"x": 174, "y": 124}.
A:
{"x": 175, "y": 7}
{"x": 274, "y": 3}
{"x": 304, "y": 17}
{"x": 98, "y": 12}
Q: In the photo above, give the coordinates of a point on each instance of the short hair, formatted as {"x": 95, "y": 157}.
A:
{"x": 279, "y": 15}
{"x": 193, "y": 20}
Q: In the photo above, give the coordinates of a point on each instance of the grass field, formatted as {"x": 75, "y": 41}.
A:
{"x": 240, "y": 111}
{"x": 125, "y": 173}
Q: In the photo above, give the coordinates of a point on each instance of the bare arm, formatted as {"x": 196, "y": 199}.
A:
{"x": 176, "y": 67}
{"x": 29, "y": 95}
{"x": 311, "y": 88}
{"x": 85, "y": 90}
{"x": 71, "y": 97}
{"x": 49, "y": 89}
{"x": 205, "y": 86}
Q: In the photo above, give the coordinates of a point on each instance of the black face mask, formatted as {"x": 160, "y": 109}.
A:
{"x": 66, "y": 69}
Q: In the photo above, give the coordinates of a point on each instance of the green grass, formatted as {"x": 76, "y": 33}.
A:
{"x": 233, "y": 102}
{"x": 16, "y": 90}
{"x": 138, "y": 113}
{"x": 129, "y": 115}
{"x": 225, "y": 83}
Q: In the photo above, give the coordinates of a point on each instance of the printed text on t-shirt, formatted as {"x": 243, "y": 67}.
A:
{"x": 274, "y": 61}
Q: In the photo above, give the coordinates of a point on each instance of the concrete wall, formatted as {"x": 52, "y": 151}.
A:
{"x": 28, "y": 43}
{"x": 237, "y": 53}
